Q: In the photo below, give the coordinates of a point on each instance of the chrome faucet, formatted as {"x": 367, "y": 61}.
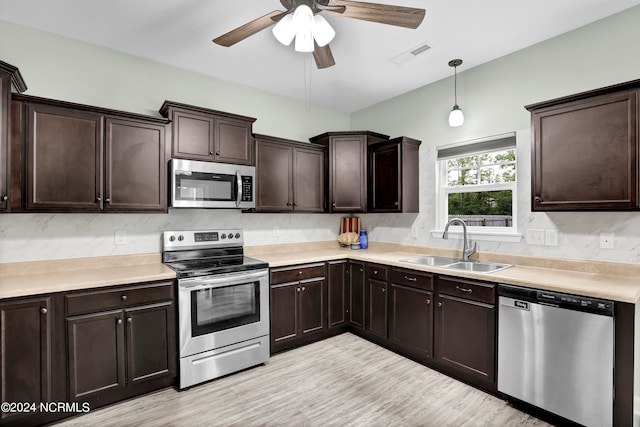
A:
{"x": 466, "y": 253}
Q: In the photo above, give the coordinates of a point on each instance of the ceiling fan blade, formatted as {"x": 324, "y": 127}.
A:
{"x": 323, "y": 56}
{"x": 249, "y": 29}
{"x": 401, "y": 16}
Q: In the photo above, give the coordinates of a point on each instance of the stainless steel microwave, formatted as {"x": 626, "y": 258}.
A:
{"x": 196, "y": 184}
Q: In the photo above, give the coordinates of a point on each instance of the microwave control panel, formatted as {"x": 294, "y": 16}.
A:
{"x": 247, "y": 188}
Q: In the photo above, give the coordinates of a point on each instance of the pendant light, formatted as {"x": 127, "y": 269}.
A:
{"x": 456, "y": 118}
{"x": 305, "y": 27}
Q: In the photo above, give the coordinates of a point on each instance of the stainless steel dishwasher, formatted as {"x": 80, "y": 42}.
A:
{"x": 555, "y": 351}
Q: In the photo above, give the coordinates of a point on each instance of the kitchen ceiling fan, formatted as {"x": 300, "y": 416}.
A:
{"x": 312, "y": 33}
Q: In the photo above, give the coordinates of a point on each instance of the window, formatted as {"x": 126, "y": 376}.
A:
{"x": 477, "y": 183}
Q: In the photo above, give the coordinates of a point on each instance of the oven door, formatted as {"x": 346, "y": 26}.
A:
{"x": 220, "y": 310}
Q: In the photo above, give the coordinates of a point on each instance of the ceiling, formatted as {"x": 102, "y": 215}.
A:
{"x": 179, "y": 32}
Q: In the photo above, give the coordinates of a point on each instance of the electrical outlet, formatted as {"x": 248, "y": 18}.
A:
{"x": 414, "y": 232}
{"x": 276, "y": 231}
{"x": 606, "y": 240}
{"x": 535, "y": 237}
{"x": 120, "y": 237}
{"x": 551, "y": 237}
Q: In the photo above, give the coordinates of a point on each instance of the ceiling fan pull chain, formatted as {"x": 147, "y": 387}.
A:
{"x": 307, "y": 82}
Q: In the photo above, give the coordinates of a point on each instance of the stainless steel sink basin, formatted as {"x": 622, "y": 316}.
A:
{"x": 457, "y": 264}
{"x": 434, "y": 261}
{"x": 477, "y": 266}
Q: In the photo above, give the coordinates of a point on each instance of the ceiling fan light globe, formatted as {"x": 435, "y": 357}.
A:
{"x": 456, "y": 118}
{"x": 304, "y": 41}
{"x": 323, "y": 33}
{"x": 303, "y": 18}
{"x": 285, "y": 30}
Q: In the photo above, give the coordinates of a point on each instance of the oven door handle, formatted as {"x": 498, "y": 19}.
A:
{"x": 213, "y": 281}
{"x": 239, "y": 188}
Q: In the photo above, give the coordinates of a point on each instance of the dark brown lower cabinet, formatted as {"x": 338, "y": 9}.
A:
{"x": 356, "y": 294}
{"x": 25, "y": 334}
{"x": 298, "y": 305}
{"x": 465, "y": 329}
{"x": 118, "y": 346}
{"x": 338, "y": 295}
{"x": 376, "y": 300}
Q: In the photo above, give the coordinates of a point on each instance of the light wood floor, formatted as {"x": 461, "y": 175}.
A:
{"x": 341, "y": 381}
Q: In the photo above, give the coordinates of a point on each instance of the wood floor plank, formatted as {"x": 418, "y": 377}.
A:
{"x": 340, "y": 381}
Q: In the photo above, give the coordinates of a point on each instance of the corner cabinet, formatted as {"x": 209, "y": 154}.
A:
{"x": 347, "y": 168}
{"x": 85, "y": 159}
{"x": 394, "y": 182}
{"x": 209, "y": 135}
{"x": 10, "y": 80}
{"x": 289, "y": 176}
{"x": 586, "y": 151}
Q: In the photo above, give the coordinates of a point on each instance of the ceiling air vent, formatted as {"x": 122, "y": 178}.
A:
{"x": 410, "y": 54}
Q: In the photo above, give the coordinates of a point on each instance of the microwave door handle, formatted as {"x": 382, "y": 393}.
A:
{"x": 239, "y": 188}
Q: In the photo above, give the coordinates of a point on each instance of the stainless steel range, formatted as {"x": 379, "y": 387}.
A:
{"x": 223, "y": 303}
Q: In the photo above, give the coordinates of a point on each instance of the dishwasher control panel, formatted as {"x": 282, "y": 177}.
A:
{"x": 523, "y": 296}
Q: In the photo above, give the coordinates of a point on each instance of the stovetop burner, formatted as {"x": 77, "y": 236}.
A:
{"x": 204, "y": 253}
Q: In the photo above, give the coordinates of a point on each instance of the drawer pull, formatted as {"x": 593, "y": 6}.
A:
{"x": 467, "y": 290}
{"x": 375, "y": 272}
{"x": 384, "y": 290}
{"x": 439, "y": 304}
{"x": 123, "y": 297}
{"x": 411, "y": 279}
{"x": 129, "y": 320}
{"x": 428, "y": 301}
{"x": 119, "y": 321}
{"x": 299, "y": 273}
{"x": 43, "y": 310}
{"x": 304, "y": 289}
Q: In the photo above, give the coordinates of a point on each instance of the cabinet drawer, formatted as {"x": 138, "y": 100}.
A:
{"x": 412, "y": 278}
{"x": 297, "y": 272}
{"x": 483, "y": 292}
{"x": 93, "y": 301}
{"x": 376, "y": 271}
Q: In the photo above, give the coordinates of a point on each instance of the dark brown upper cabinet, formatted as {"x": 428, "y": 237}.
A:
{"x": 289, "y": 176}
{"x": 585, "y": 151}
{"x": 210, "y": 135}
{"x": 10, "y": 81}
{"x": 394, "y": 183}
{"x": 347, "y": 168}
{"x": 81, "y": 158}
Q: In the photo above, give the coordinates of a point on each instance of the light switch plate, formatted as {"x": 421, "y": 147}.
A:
{"x": 120, "y": 237}
{"x": 414, "y": 232}
{"x": 606, "y": 240}
{"x": 551, "y": 237}
{"x": 535, "y": 237}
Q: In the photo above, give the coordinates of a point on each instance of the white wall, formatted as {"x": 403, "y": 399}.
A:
{"x": 492, "y": 97}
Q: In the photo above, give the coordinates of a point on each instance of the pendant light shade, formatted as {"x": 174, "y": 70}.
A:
{"x": 305, "y": 28}
{"x": 456, "y": 118}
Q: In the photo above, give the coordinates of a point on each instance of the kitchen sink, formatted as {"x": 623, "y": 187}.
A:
{"x": 477, "y": 266}
{"x": 457, "y": 264}
{"x": 434, "y": 261}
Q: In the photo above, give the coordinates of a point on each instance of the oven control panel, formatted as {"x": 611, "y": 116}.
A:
{"x": 177, "y": 240}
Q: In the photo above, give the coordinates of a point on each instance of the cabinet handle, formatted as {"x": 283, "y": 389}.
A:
{"x": 384, "y": 290}
{"x": 439, "y": 304}
{"x": 289, "y": 204}
{"x": 375, "y": 272}
{"x": 334, "y": 205}
{"x": 299, "y": 273}
{"x": 411, "y": 279}
{"x": 538, "y": 199}
{"x": 43, "y": 310}
{"x": 123, "y": 297}
{"x": 98, "y": 199}
{"x": 297, "y": 289}
{"x": 428, "y": 301}
{"x": 295, "y": 204}
{"x": 119, "y": 321}
{"x": 211, "y": 153}
{"x": 395, "y": 204}
{"x": 303, "y": 289}
{"x": 467, "y": 290}
{"x": 5, "y": 198}
{"x": 129, "y": 320}
{"x": 107, "y": 200}
{"x": 361, "y": 270}
{"x": 217, "y": 153}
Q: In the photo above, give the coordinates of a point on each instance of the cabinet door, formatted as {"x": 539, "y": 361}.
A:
{"x": 274, "y": 177}
{"x": 284, "y": 313}
{"x": 357, "y": 295}
{"x": 376, "y": 322}
{"x": 192, "y": 136}
{"x": 308, "y": 180}
{"x": 384, "y": 178}
{"x": 5, "y": 88}
{"x": 96, "y": 354}
{"x": 411, "y": 320}
{"x": 465, "y": 337}
{"x": 348, "y": 174}
{"x": 338, "y": 294}
{"x": 312, "y": 308}
{"x": 64, "y": 159}
{"x": 135, "y": 175}
{"x": 25, "y": 356}
{"x": 233, "y": 141}
{"x": 150, "y": 342}
{"x": 585, "y": 154}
